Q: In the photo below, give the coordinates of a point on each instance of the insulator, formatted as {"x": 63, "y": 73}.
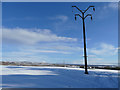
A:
{"x": 93, "y": 9}
{"x": 75, "y": 17}
{"x": 91, "y": 17}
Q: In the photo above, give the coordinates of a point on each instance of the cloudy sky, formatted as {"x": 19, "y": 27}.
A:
{"x": 47, "y": 32}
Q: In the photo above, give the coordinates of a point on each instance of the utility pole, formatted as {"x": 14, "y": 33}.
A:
{"x": 84, "y": 37}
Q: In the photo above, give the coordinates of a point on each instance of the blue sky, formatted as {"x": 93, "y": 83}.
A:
{"x": 47, "y": 32}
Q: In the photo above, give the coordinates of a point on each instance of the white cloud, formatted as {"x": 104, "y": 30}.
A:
{"x": 104, "y": 49}
{"x": 67, "y": 48}
{"x": 92, "y": 59}
{"x": 48, "y": 51}
{"x": 25, "y": 58}
{"x": 60, "y": 17}
{"x": 15, "y": 53}
{"x": 52, "y": 48}
{"x": 95, "y": 60}
{"x": 91, "y": 56}
{"x": 105, "y": 10}
{"x": 32, "y": 36}
{"x": 78, "y": 62}
{"x": 113, "y": 5}
{"x": 118, "y": 48}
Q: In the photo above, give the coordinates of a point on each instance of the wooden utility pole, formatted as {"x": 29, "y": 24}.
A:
{"x": 84, "y": 37}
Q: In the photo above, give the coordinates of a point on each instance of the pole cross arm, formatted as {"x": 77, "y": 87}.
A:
{"x": 89, "y": 7}
{"x": 88, "y": 15}
{"x": 78, "y": 8}
{"x": 78, "y": 15}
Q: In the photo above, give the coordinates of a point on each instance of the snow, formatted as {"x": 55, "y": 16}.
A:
{"x": 57, "y": 77}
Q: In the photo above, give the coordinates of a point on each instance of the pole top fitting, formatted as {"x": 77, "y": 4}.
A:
{"x": 92, "y": 6}
{"x": 73, "y": 6}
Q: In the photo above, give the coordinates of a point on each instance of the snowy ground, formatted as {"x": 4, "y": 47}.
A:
{"x": 57, "y": 77}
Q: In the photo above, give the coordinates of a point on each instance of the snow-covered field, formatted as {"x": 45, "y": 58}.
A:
{"x": 57, "y": 77}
